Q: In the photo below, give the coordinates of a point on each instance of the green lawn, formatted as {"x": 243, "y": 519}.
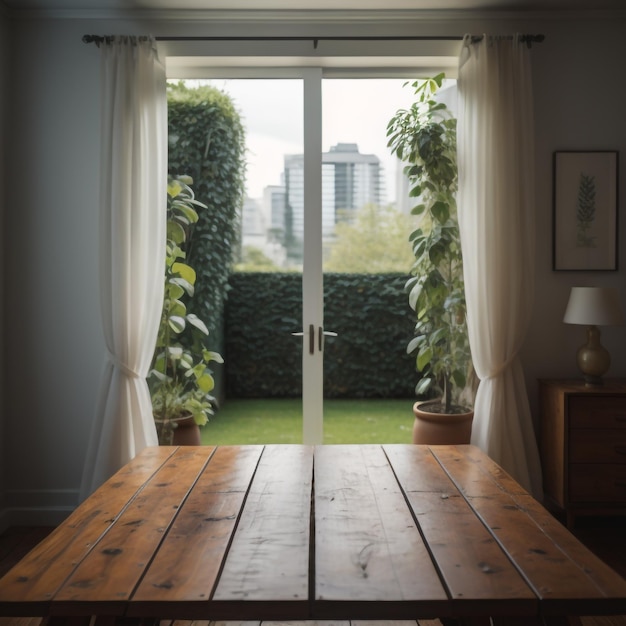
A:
{"x": 280, "y": 421}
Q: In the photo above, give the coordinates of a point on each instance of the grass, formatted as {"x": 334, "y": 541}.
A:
{"x": 280, "y": 421}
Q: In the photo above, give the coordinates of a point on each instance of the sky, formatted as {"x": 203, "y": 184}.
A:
{"x": 353, "y": 111}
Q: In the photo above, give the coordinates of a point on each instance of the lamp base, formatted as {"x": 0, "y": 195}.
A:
{"x": 593, "y": 381}
{"x": 593, "y": 358}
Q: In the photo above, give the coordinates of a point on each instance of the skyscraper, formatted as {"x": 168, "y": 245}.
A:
{"x": 350, "y": 180}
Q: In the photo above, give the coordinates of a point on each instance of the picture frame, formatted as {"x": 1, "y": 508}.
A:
{"x": 585, "y": 214}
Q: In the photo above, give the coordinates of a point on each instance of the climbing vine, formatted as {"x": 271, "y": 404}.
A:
{"x": 207, "y": 142}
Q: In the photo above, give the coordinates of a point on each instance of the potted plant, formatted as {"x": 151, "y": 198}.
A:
{"x": 180, "y": 379}
{"x": 424, "y": 137}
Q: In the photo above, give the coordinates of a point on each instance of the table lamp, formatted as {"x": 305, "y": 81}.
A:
{"x": 593, "y": 307}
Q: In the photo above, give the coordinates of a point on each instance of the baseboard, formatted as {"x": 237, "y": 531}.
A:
{"x": 32, "y": 517}
{"x": 37, "y": 508}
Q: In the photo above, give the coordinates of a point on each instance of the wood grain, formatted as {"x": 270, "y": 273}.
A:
{"x": 188, "y": 562}
{"x": 109, "y": 574}
{"x": 598, "y": 410}
{"x": 268, "y": 562}
{"x": 348, "y": 533}
{"x": 480, "y": 578}
{"x": 367, "y": 546}
{"x": 554, "y": 426}
{"x": 611, "y": 585}
{"x": 37, "y": 577}
{"x": 597, "y": 446}
{"x": 583, "y": 448}
{"x": 557, "y": 566}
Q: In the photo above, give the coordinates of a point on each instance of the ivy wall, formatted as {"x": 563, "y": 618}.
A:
{"x": 207, "y": 142}
{"x": 369, "y": 312}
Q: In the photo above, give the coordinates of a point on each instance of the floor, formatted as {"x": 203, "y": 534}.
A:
{"x": 604, "y": 536}
{"x": 16, "y": 542}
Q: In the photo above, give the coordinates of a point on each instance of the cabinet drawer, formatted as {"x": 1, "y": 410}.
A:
{"x": 597, "y": 411}
{"x": 593, "y": 483}
{"x": 597, "y": 446}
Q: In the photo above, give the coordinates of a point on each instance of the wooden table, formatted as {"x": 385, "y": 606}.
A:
{"x": 290, "y": 532}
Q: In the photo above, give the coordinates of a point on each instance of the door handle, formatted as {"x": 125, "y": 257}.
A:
{"x": 320, "y": 341}
{"x": 324, "y": 333}
{"x": 311, "y": 337}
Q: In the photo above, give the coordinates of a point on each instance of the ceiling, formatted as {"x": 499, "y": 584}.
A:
{"x": 308, "y": 5}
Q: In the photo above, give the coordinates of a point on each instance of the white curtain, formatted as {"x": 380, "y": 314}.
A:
{"x": 133, "y": 192}
{"x": 496, "y": 205}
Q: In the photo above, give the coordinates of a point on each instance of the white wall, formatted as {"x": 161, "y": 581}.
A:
{"x": 53, "y": 342}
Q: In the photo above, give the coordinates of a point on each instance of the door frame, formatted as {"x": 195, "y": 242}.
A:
{"x": 353, "y": 65}
{"x": 312, "y": 272}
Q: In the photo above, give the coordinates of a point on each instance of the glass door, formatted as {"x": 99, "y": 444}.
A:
{"x": 367, "y": 257}
{"x": 281, "y": 228}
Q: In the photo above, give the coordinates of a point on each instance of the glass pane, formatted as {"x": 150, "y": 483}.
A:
{"x": 367, "y": 258}
{"x": 263, "y": 359}
{"x": 272, "y": 219}
{"x": 364, "y": 188}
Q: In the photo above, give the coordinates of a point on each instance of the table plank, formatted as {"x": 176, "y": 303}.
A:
{"x": 558, "y": 566}
{"x": 394, "y": 532}
{"x": 479, "y": 576}
{"x": 186, "y": 567}
{"x": 266, "y": 574}
{"x": 611, "y": 584}
{"x": 410, "y": 622}
{"x": 110, "y": 572}
{"x": 29, "y": 587}
{"x": 368, "y": 550}
{"x": 313, "y": 623}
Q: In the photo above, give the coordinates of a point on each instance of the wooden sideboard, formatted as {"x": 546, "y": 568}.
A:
{"x": 583, "y": 447}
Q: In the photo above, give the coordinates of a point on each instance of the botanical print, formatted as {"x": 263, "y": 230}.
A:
{"x": 586, "y": 211}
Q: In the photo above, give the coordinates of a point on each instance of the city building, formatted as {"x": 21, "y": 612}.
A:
{"x": 350, "y": 180}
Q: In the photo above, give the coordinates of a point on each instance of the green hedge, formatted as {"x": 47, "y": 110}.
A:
{"x": 368, "y": 359}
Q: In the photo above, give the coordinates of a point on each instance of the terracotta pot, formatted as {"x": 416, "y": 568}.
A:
{"x": 441, "y": 428}
{"x": 187, "y": 433}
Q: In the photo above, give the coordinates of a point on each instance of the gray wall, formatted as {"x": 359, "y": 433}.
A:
{"x": 4, "y": 85}
{"x": 579, "y": 104}
{"x": 53, "y": 347}
{"x": 53, "y": 342}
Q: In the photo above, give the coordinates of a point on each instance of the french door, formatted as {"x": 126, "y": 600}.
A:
{"x": 344, "y": 174}
{"x": 329, "y": 169}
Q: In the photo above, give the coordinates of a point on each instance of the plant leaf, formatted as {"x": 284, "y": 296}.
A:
{"x": 185, "y": 271}
{"x": 177, "y": 323}
{"x": 195, "y": 321}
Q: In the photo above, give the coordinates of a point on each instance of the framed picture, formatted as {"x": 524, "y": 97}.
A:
{"x": 585, "y": 210}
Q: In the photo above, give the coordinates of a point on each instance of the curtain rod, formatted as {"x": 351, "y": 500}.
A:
{"x": 528, "y": 39}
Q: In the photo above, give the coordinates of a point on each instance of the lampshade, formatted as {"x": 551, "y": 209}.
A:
{"x": 594, "y": 306}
